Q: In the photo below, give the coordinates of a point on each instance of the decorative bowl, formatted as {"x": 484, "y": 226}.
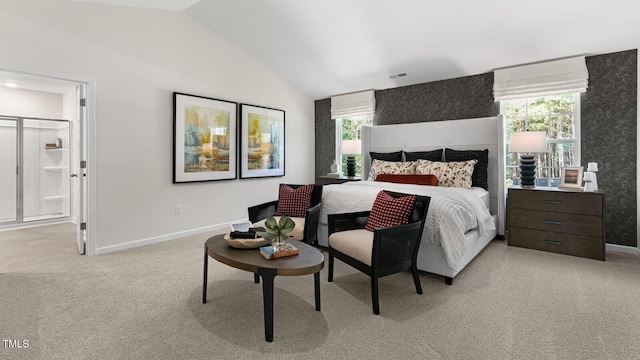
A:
{"x": 246, "y": 243}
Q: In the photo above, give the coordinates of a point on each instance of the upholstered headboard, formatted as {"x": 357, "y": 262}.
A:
{"x": 467, "y": 134}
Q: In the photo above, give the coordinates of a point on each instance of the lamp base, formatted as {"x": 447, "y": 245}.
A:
{"x": 351, "y": 166}
{"x": 527, "y": 171}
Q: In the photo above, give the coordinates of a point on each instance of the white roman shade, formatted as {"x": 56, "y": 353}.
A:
{"x": 564, "y": 76}
{"x": 355, "y": 104}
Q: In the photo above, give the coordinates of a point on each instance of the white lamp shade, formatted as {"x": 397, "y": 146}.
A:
{"x": 350, "y": 147}
{"x": 528, "y": 142}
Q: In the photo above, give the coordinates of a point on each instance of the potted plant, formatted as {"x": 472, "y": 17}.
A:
{"x": 277, "y": 231}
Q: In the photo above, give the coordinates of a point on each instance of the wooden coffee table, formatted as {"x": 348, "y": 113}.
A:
{"x": 309, "y": 261}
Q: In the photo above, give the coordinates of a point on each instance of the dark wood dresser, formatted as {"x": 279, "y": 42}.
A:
{"x": 556, "y": 220}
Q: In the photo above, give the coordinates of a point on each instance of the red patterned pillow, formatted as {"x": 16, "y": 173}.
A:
{"x": 294, "y": 202}
{"x": 390, "y": 211}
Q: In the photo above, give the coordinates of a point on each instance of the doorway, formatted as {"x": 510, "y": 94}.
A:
{"x": 51, "y": 167}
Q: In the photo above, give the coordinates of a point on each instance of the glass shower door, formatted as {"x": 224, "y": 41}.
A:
{"x": 8, "y": 170}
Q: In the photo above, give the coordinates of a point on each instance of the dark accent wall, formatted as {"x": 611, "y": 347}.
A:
{"x": 461, "y": 98}
{"x": 609, "y": 132}
{"x": 608, "y": 126}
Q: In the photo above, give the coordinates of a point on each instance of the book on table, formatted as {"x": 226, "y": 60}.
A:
{"x": 270, "y": 253}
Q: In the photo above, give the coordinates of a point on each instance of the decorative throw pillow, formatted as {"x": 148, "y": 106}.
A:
{"x": 449, "y": 174}
{"x": 294, "y": 202}
{"x": 390, "y": 211}
{"x": 433, "y": 155}
{"x": 479, "y": 177}
{"x": 391, "y": 167}
{"x": 408, "y": 179}
{"x": 390, "y": 156}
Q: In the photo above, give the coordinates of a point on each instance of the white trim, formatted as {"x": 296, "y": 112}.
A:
{"x": 165, "y": 237}
{"x": 90, "y": 83}
{"x": 622, "y": 249}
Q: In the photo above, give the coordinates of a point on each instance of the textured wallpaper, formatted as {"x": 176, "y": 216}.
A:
{"x": 609, "y": 132}
{"x": 608, "y": 126}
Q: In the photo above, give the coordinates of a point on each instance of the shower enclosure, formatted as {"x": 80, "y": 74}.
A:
{"x": 34, "y": 170}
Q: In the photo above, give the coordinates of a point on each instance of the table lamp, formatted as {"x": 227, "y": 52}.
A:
{"x": 350, "y": 148}
{"x": 527, "y": 143}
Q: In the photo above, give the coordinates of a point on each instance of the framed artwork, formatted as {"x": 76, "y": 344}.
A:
{"x": 204, "y": 138}
{"x": 571, "y": 177}
{"x": 261, "y": 141}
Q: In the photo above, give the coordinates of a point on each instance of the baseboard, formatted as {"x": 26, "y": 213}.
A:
{"x": 623, "y": 249}
{"x": 161, "y": 238}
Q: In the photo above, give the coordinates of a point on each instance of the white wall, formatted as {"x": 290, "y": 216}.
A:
{"x": 138, "y": 58}
{"x": 26, "y": 103}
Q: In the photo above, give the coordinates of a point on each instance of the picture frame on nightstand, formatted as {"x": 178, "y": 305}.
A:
{"x": 571, "y": 177}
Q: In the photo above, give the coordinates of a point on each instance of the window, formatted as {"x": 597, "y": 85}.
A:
{"x": 559, "y": 116}
{"x": 350, "y": 129}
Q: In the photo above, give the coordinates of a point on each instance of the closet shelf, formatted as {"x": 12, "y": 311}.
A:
{"x": 54, "y": 198}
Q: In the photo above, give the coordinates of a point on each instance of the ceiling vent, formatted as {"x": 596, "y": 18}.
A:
{"x": 397, "y": 76}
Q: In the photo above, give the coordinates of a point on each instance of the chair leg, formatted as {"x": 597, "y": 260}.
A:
{"x": 374, "y": 295}
{"x": 256, "y": 278}
{"x": 416, "y": 279}
{"x": 330, "y": 277}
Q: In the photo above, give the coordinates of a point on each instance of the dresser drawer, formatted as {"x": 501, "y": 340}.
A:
{"x": 563, "y": 202}
{"x": 556, "y": 222}
{"x": 576, "y": 245}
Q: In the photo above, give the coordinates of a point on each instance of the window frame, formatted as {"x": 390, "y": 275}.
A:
{"x": 338, "y": 141}
{"x": 576, "y": 140}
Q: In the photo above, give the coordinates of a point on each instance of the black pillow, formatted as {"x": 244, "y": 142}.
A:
{"x": 433, "y": 155}
{"x": 479, "y": 177}
{"x": 390, "y": 156}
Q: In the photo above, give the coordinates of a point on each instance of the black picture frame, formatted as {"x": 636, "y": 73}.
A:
{"x": 262, "y": 142}
{"x": 205, "y": 140}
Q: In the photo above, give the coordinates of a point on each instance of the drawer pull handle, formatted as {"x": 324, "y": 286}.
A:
{"x": 551, "y": 242}
{"x": 552, "y": 222}
{"x": 553, "y": 202}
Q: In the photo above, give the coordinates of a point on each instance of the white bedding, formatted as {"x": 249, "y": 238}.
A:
{"x": 452, "y": 211}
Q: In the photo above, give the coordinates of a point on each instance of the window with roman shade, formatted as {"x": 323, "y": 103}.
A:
{"x": 352, "y": 105}
{"x": 566, "y": 76}
{"x": 351, "y": 111}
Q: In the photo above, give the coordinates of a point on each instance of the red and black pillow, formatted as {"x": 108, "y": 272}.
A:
{"x": 390, "y": 211}
{"x": 294, "y": 202}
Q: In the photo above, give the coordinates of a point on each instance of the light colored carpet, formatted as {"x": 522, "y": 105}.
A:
{"x": 146, "y": 303}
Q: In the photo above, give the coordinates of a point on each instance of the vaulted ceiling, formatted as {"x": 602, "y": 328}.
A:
{"x": 330, "y": 47}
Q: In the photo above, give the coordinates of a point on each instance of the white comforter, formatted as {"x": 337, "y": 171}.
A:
{"x": 452, "y": 211}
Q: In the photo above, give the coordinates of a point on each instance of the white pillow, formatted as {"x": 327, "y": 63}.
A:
{"x": 391, "y": 167}
{"x": 449, "y": 174}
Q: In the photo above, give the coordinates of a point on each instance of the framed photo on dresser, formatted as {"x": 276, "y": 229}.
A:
{"x": 571, "y": 177}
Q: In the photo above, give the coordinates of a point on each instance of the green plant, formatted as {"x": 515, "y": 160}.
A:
{"x": 278, "y": 229}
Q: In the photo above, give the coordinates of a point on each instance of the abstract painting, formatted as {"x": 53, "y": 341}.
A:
{"x": 204, "y": 141}
{"x": 261, "y": 141}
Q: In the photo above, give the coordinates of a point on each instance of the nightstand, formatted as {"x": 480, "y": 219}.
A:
{"x": 557, "y": 220}
{"x": 326, "y": 180}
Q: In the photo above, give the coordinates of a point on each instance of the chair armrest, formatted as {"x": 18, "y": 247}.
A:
{"x": 311, "y": 221}
{"x": 262, "y": 211}
{"x": 347, "y": 221}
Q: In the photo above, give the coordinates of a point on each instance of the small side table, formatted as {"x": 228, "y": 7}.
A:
{"x": 327, "y": 180}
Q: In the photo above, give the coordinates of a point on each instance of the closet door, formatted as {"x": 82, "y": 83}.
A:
{"x": 8, "y": 170}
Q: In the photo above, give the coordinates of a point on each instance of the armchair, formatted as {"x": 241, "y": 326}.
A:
{"x": 306, "y": 227}
{"x": 385, "y": 251}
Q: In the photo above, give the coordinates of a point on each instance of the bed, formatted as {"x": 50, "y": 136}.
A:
{"x": 460, "y": 222}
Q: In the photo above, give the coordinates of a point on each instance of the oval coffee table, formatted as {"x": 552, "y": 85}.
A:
{"x": 309, "y": 261}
